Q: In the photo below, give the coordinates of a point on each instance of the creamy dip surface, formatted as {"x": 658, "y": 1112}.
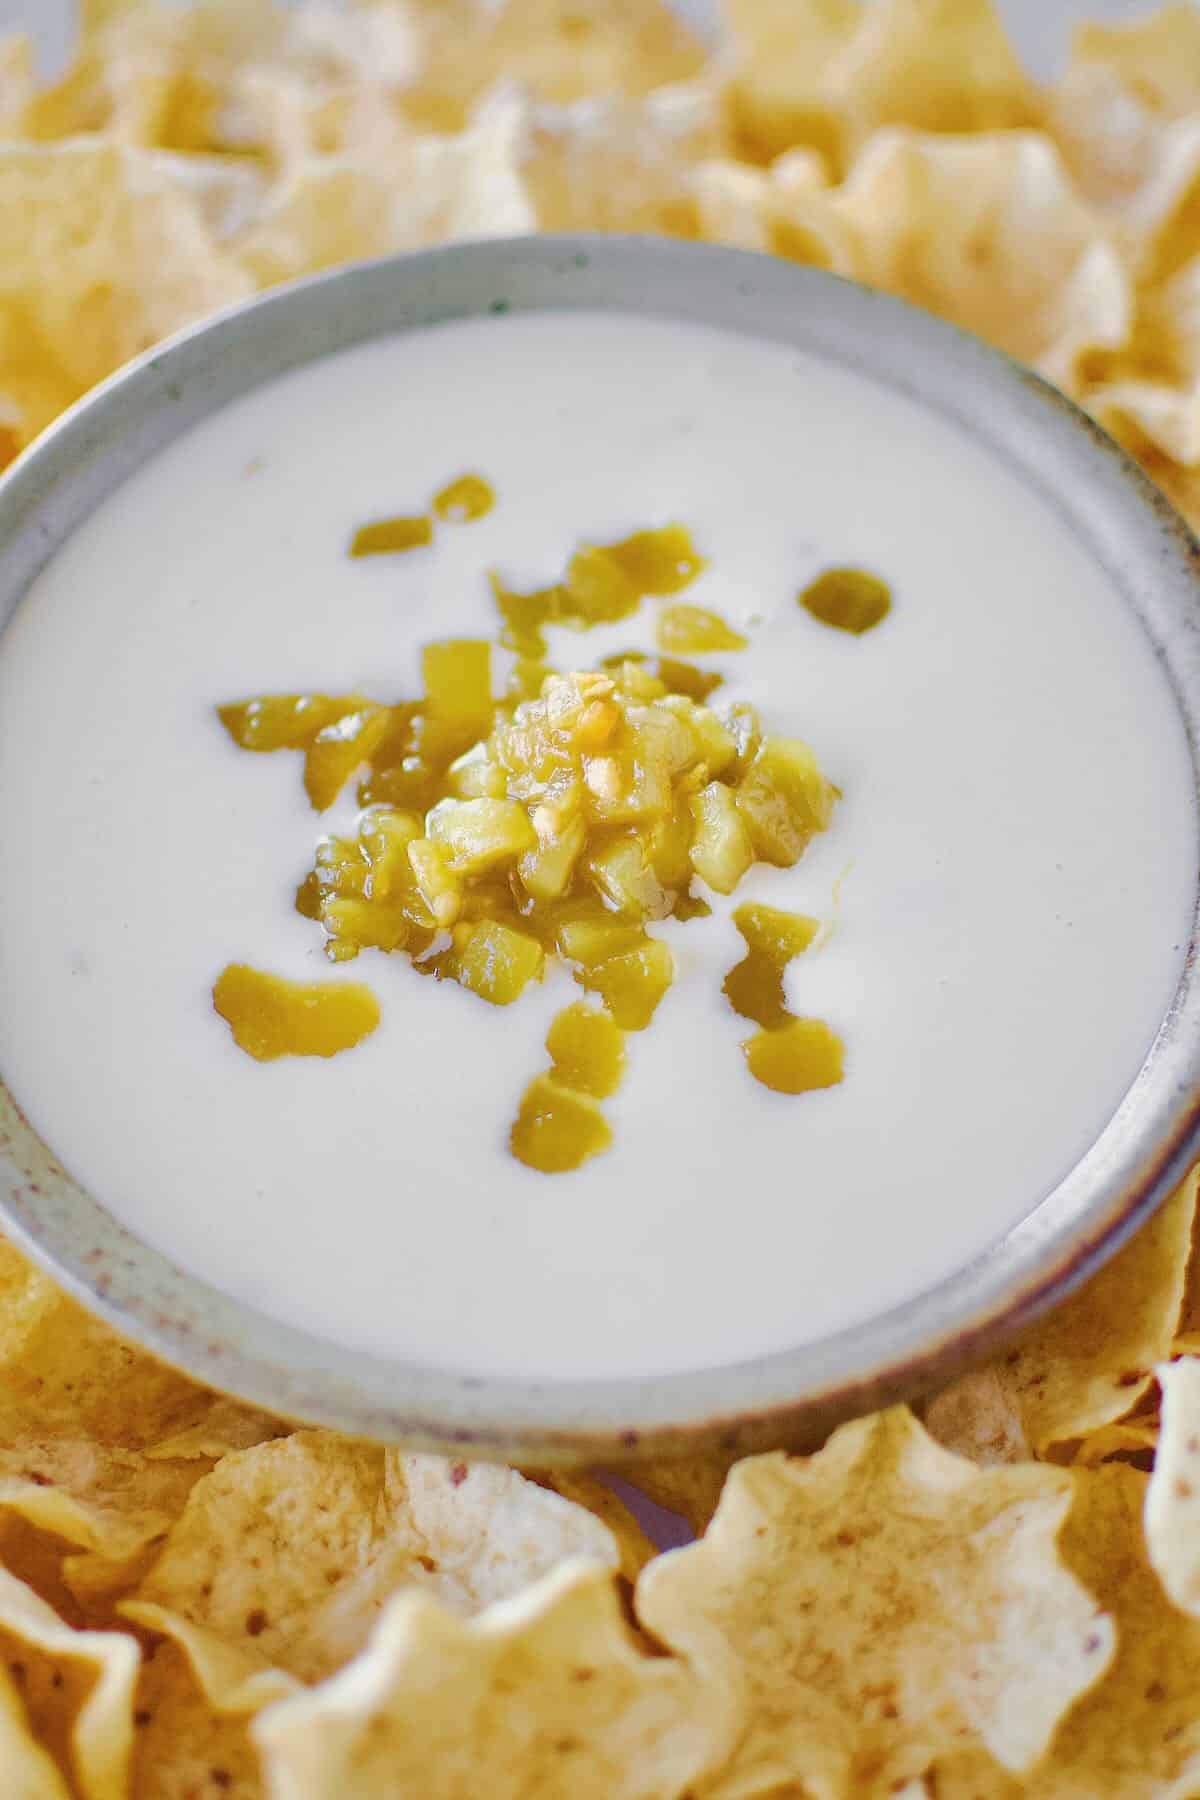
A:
{"x": 1015, "y": 849}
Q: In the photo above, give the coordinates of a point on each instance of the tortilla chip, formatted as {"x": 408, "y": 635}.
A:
{"x": 549, "y": 1693}
{"x": 880, "y": 1603}
{"x": 595, "y": 1496}
{"x": 223, "y": 1426}
{"x": 64, "y": 1373}
{"x": 784, "y": 210}
{"x": 1150, "y": 395}
{"x": 1173, "y": 1495}
{"x": 1092, "y": 1359}
{"x": 233, "y": 1679}
{"x": 110, "y": 1507}
{"x": 986, "y": 231}
{"x": 76, "y": 1688}
{"x": 337, "y": 209}
{"x": 1136, "y": 1735}
{"x": 30, "y": 1773}
{"x": 16, "y": 83}
{"x": 1127, "y": 1439}
{"x": 561, "y": 50}
{"x": 827, "y": 73}
{"x": 182, "y": 1748}
{"x": 101, "y": 254}
{"x": 620, "y": 164}
{"x": 1140, "y": 170}
{"x": 979, "y": 1417}
{"x": 1157, "y": 59}
{"x": 289, "y": 1551}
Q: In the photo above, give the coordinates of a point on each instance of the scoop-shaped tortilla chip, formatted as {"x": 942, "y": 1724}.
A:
{"x": 1149, "y": 397}
{"x": 878, "y": 1603}
{"x": 107, "y": 1509}
{"x": 289, "y": 1551}
{"x": 621, "y": 164}
{"x": 560, "y": 50}
{"x": 548, "y": 1694}
{"x": 784, "y": 209}
{"x": 827, "y": 73}
{"x": 986, "y": 231}
{"x": 182, "y": 1746}
{"x": 101, "y": 255}
{"x": 76, "y": 1688}
{"x": 29, "y": 1771}
{"x": 1173, "y": 1494}
{"x": 1092, "y": 1358}
{"x": 1157, "y": 58}
{"x": 588, "y": 1491}
{"x": 334, "y": 209}
{"x": 1136, "y": 1735}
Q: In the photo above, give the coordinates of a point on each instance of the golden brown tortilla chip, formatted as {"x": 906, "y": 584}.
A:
{"x": 879, "y": 1604}
{"x": 182, "y": 1748}
{"x": 986, "y": 231}
{"x": 29, "y": 1772}
{"x": 288, "y": 1552}
{"x": 1172, "y": 1517}
{"x": 76, "y": 1688}
{"x": 549, "y": 1694}
{"x": 1157, "y": 58}
{"x": 1092, "y": 1358}
{"x": 1136, "y": 1735}
{"x": 561, "y": 50}
{"x": 620, "y": 164}
{"x": 827, "y": 73}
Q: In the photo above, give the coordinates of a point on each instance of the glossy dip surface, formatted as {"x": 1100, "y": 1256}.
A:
{"x": 1015, "y": 848}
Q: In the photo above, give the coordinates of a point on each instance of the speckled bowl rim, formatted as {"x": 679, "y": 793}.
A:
{"x": 798, "y": 1395}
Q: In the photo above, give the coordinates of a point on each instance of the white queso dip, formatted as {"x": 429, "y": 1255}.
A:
{"x": 1008, "y": 877}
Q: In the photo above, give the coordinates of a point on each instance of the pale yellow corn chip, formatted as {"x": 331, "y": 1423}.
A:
{"x": 29, "y": 1772}
{"x": 234, "y": 1679}
{"x": 979, "y": 1417}
{"x": 1092, "y": 1358}
{"x": 1136, "y": 1437}
{"x": 560, "y": 49}
{"x": 1150, "y": 396}
{"x": 109, "y": 1508}
{"x": 826, "y": 73}
{"x": 1136, "y": 1735}
{"x": 289, "y": 1551}
{"x": 938, "y": 65}
{"x": 634, "y": 1547}
{"x": 235, "y": 76}
{"x": 336, "y": 209}
{"x": 63, "y": 1373}
{"x": 1173, "y": 1495}
{"x": 986, "y": 231}
{"x": 1156, "y": 58}
{"x": 224, "y": 1425}
{"x": 101, "y": 254}
{"x": 1142, "y": 171}
{"x": 784, "y": 209}
{"x": 76, "y": 1688}
{"x": 182, "y": 1748}
{"x": 879, "y": 1603}
{"x": 16, "y": 83}
{"x": 548, "y": 1694}
{"x": 620, "y": 164}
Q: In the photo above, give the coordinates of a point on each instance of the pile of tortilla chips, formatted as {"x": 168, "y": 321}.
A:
{"x": 1002, "y": 1599}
